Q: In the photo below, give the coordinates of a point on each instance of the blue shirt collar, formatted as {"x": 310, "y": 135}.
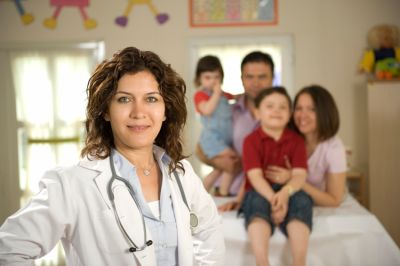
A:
{"x": 126, "y": 170}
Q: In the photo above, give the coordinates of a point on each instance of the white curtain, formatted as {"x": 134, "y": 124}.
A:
{"x": 50, "y": 98}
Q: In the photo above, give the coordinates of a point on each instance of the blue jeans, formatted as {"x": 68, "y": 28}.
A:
{"x": 300, "y": 208}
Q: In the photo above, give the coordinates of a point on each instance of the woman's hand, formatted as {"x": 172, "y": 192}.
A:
{"x": 279, "y": 175}
{"x": 233, "y": 205}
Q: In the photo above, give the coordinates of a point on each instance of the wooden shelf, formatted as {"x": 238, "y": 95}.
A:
{"x": 356, "y": 186}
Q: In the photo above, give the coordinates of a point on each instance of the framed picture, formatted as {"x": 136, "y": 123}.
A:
{"x": 222, "y": 13}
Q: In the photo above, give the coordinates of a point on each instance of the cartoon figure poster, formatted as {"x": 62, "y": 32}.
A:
{"x": 26, "y": 18}
{"x": 122, "y": 20}
{"x": 51, "y": 23}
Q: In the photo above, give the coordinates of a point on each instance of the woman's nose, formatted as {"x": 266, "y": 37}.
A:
{"x": 302, "y": 114}
{"x": 137, "y": 110}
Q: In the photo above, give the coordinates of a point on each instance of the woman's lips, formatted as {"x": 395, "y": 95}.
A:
{"x": 138, "y": 128}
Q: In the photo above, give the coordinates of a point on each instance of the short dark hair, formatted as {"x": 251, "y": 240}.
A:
{"x": 208, "y": 63}
{"x": 258, "y": 57}
{"x": 102, "y": 86}
{"x": 270, "y": 90}
{"x": 328, "y": 120}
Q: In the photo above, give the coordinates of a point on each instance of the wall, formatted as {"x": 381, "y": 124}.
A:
{"x": 329, "y": 38}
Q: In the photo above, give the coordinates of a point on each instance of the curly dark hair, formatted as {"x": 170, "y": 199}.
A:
{"x": 102, "y": 86}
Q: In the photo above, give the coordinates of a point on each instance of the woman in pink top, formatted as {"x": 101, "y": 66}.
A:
{"x": 316, "y": 117}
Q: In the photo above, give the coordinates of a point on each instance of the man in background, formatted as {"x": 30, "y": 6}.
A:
{"x": 257, "y": 73}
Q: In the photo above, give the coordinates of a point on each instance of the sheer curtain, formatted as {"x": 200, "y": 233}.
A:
{"x": 50, "y": 98}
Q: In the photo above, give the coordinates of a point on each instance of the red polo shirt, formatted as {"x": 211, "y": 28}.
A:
{"x": 261, "y": 151}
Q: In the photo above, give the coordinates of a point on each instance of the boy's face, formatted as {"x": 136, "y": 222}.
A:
{"x": 274, "y": 111}
{"x": 210, "y": 79}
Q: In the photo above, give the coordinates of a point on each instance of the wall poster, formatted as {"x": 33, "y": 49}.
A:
{"x": 220, "y": 13}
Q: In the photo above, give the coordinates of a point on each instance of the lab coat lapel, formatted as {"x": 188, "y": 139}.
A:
{"x": 102, "y": 167}
{"x": 182, "y": 217}
{"x": 126, "y": 208}
{"x": 132, "y": 221}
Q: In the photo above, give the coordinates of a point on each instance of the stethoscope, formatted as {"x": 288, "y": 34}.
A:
{"x": 193, "y": 217}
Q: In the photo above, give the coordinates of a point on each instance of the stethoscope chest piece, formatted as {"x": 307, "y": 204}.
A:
{"x": 194, "y": 221}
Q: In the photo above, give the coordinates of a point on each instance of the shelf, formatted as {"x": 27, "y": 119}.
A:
{"x": 356, "y": 185}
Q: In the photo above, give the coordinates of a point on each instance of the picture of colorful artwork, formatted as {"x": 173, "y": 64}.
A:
{"x": 26, "y": 18}
{"x": 51, "y": 23}
{"x": 122, "y": 21}
{"x": 217, "y": 13}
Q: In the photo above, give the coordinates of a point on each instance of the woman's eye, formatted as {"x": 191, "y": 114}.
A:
{"x": 152, "y": 99}
{"x": 123, "y": 99}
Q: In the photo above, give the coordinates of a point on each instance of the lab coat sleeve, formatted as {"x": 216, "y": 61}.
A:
{"x": 208, "y": 240}
{"x": 35, "y": 229}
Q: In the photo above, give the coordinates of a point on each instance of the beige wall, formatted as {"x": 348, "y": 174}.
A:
{"x": 329, "y": 38}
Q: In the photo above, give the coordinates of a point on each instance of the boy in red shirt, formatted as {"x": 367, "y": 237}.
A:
{"x": 268, "y": 204}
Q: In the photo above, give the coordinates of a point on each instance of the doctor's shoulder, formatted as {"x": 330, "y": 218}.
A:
{"x": 187, "y": 171}
{"x": 70, "y": 179}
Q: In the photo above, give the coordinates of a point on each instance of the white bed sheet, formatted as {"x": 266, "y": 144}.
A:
{"x": 347, "y": 235}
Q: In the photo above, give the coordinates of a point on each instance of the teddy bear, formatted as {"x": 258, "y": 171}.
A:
{"x": 382, "y": 59}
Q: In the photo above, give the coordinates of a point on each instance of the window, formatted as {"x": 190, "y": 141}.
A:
{"x": 50, "y": 91}
{"x": 231, "y": 52}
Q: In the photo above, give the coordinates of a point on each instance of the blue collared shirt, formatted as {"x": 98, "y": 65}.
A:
{"x": 163, "y": 229}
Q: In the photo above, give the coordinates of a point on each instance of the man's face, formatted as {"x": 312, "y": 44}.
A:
{"x": 256, "y": 76}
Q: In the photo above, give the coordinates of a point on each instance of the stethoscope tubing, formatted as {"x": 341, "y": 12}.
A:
{"x": 114, "y": 176}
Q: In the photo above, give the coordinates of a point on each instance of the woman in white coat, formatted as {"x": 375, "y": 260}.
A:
{"x": 133, "y": 199}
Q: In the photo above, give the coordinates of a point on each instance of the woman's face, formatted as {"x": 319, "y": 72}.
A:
{"x": 305, "y": 116}
{"x": 136, "y": 112}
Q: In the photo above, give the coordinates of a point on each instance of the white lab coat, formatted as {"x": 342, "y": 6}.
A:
{"x": 73, "y": 206}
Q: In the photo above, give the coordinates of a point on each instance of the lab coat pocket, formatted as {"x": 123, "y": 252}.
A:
{"x": 110, "y": 238}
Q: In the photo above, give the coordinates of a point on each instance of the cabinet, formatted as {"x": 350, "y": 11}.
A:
{"x": 384, "y": 154}
{"x": 356, "y": 186}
